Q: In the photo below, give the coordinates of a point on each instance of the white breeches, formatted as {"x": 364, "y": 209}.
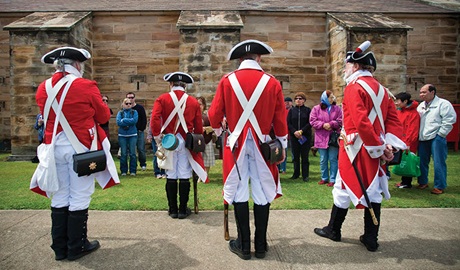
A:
{"x": 181, "y": 165}
{"x": 74, "y": 192}
{"x": 343, "y": 197}
{"x": 251, "y": 165}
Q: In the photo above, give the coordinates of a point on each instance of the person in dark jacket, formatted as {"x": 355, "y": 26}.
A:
{"x": 141, "y": 125}
{"x": 298, "y": 120}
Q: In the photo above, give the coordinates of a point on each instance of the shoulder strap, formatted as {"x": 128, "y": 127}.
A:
{"x": 52, "y": 93}
{"x": 177, "y": 107}
{"x": 60, "y": 118}
{"x": 377, "y": 100}
{"x": 58, "y": 107}
{"x": 247, "y": 106}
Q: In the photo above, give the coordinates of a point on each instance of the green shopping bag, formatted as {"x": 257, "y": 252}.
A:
{"x": 409, "y": 166}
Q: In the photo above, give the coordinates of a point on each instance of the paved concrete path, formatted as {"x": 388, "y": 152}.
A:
{"x": 409, "y": 239}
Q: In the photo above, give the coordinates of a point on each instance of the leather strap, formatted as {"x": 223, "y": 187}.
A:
{"x": 248, "y": 107}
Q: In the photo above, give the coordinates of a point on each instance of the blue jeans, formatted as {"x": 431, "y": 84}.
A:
{"x": 328, "y": 157}
{"x": 128, "y": 145}
{"x": 141, "y": 148}
{"x": 437, "y": 148}
{"x": 156, "y": 169}
{"x": 282, "y": 165}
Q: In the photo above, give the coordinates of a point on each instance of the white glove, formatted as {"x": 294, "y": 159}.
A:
{"x": 158, "y": 139}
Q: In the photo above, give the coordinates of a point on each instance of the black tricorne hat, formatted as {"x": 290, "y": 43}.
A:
{"x": 248, "y": 46}
{"x": 71, "y": 53}
{"x": 358, "y": 56}
{"x": 178, "y": 77}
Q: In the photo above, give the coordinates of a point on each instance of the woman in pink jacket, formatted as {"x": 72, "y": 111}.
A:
{"x": 325, "y": 118}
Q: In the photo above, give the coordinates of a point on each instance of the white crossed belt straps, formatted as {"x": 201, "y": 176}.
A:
{"x": 248, "y": 107}
{"x": 352, "y": 150}
{"x": 179, "y": 109}
{"x": 60, "y": 117}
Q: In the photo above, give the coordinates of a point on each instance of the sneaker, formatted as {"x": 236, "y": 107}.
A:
{"x": 330, "y": 184}
{"x": 399, "y": 185}
{"x": 322, "y": 182}
{"x": 143, "y": 168}
{"x": 132, "y": 174}
{"x": 158, "y": 176}
{"x": 422, "y": 186}
{"x": 123, "y": 174}
{"x": 163, "y": 176}
{"x": 437, "y": 191}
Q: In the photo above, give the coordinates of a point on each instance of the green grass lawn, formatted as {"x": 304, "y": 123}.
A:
{"x": 145, "y": 192}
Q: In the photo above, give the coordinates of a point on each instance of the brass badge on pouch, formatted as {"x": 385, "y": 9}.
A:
{"x": 277, "y": 151}
{"x": 92, "y": 166}
{"x": 199, "y": 142}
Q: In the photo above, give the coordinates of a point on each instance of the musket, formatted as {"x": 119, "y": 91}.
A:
{"x": 195, "y": 192}
{"x": 369, "y": 205}
{"x": 361, "y": 184}
{"x": 226, "y": 234}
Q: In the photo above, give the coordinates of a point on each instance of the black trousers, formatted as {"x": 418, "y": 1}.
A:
{"x": 300, "y": 151}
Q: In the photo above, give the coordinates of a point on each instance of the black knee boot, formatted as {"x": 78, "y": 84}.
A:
{"x": 171, "y": 194}
{"x": 371, "y": 231}
{"x": 333, "y": 229}
{"x": 59, "y": 218}
{"x": 242, "y": 245}
{"x": 78, "y": 243}
{"x": 261, "y": 213}
{"x": 184, "y": 191}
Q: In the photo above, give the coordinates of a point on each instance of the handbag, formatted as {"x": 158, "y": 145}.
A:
{"x": 334, "y": 139}
{"x": 272, "y": 151}
{"x": 89, "y": 162}
{"x": 220, "y": 142}
{"x": 46, "y": 173}
{"x": 396, "y": 158}
{"x": 409, "y": 166}
{"x": 166, "y": 162}
{"x": 195, "y": 142}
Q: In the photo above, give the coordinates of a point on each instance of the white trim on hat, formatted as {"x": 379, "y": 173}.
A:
{"x": 63, "y": 52}
{"x": 249, "y": 49}
{"x": 178, "y": 76}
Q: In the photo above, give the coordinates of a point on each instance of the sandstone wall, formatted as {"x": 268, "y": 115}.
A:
{"x": 133, "y": 50}
{"x": 27, "y": 46}
{"x": 433, "y": 54}
{"x": 300, "y": 45}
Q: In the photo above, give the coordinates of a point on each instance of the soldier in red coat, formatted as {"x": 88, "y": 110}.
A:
{"x": 178, "y": 113}
{"x": 252, "y": 102}
{"x": 371, "y": 133}
{"x": 84, "y": 110}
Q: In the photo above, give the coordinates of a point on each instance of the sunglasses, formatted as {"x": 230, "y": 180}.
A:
{"x": 130, "y": 97}
{"x": 105, "y": 100}
{"x": 127, "y": 103}
{"x": 298, "y": 98}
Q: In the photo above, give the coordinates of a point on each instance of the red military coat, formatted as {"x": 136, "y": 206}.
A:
{"x": 162, "y": 108}
{"x": 357, "y": 104}
{"x": 269, "y": 112}
{"x": 83, "y": 108}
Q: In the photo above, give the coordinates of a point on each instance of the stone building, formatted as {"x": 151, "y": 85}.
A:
{"x": 134, "y": 43}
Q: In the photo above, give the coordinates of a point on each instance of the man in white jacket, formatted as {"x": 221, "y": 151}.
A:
{"x": 437, "y": 116}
